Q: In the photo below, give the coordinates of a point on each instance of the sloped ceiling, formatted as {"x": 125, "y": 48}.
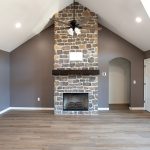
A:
{"x": 34, "y": 15}
{"x": 117, "y": 15}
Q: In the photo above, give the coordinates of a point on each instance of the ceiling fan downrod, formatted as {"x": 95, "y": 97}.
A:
{"x": 74, "y": 10}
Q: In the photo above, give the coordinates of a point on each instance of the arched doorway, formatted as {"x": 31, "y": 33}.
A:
{"x": 119, "y": 83}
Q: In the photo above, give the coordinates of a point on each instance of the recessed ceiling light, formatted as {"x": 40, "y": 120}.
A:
{"x": 138, "y": 19}
{"x": 18, "y": 25}
{"x": 146, "y": 4}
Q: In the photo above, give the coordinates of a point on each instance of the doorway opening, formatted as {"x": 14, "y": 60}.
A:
{"x": 119, "y": 84}
{"x": 147, "y": 84}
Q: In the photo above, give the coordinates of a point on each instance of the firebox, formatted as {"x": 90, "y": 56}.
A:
{"x": 75, "y": 101}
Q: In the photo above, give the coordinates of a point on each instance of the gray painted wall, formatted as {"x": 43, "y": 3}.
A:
{"x": 4, "y": 80}
{"x": 31, "y": 66}
{"x": 31, "y": 77}
{"x": 112, "y": 46}
{"x": 147, "y": 54}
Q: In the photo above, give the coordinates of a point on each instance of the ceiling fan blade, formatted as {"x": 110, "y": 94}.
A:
{"x": 61, "y": 22}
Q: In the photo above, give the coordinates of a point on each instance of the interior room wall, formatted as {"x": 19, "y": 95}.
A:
{"x": 112, "y": 46}
{"x": 147, "y": 54}
{"x": 31, "y": 67}
{"x": 4, "y": 80}
{"x": 119, "y": 81}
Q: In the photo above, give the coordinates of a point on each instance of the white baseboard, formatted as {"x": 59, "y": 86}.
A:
{"x": 136, "y": 108}
{"x": 41, "y": 108}
{"x": 101, "y": 109}
{"x": 25, "y": 108}
{"x": 31, "y": 108}
{"x": 37, "y": 108}
{"x": 5, "y": 110}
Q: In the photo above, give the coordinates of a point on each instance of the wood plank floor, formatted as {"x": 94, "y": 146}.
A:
{"x": 41, "y": 130}
{"x": 118, "y": 106}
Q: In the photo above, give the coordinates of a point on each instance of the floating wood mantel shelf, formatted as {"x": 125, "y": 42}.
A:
{"x": 75, "y": 72}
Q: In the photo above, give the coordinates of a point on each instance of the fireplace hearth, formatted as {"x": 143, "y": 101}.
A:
{"x": 75, "y": 101}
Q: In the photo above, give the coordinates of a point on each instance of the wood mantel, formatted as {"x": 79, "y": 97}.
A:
{"x": 75, "y": 72}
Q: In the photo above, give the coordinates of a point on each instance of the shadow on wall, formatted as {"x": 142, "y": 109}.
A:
{"x": 120, "y": 81}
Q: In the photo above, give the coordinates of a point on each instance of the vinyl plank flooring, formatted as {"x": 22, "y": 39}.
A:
{"x": 42, "y": 130}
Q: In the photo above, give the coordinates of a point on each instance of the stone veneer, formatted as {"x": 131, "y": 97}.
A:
{"x": 87, "y": 43}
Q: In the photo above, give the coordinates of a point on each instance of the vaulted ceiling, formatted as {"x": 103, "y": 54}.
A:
{"x": 34, "y": 15}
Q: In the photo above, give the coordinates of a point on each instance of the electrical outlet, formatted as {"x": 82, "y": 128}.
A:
{"x": 38, "y": 99}
{"x": 104, "y": 74}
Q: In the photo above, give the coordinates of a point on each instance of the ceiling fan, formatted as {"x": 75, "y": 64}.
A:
{"x": 74, "y": 26}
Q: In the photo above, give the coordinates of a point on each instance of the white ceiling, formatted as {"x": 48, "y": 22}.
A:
{"x": 33, "y": 14}
{"x": 117, "y": 15}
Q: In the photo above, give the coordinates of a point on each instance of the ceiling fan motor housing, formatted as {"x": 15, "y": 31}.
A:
{"x": 74, "y": 24}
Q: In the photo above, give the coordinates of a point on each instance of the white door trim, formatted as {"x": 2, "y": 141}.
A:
{"x": 146, "y": 97}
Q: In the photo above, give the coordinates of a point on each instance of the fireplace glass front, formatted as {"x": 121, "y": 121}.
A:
{"x": 75, "y": 101}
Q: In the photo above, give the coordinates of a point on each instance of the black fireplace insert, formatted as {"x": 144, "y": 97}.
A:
{"x": 75, "y": 101}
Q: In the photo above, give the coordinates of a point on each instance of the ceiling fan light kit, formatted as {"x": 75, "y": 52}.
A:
{"x": 72, "y": 31}
{"x": 77, "y": 31}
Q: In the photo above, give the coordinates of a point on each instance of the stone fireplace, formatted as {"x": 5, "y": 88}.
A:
{"x": 76, "y": 92}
